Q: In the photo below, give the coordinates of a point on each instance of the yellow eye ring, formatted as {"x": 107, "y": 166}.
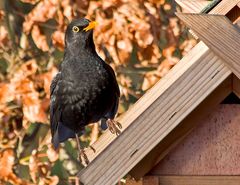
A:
{"x": 75, "y": 29}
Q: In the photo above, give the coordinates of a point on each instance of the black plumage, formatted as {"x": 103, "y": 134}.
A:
{"x": 85, "y": 89}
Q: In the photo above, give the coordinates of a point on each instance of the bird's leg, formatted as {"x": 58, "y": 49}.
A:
{"x": 114, "y": 126}
{"x": 81, "y": 156}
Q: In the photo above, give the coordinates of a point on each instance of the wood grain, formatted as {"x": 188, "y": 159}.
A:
{"x": 156, "y": 114}
{"x": 199, "y": 180}
{"x": 117, "y": 157}
{"x": 219, "y": 34}
{"x": 192, "y": 6}
{"x": 137, "y": 109}
{"x": 187, "y": 180}
{"x": 178, "y": 94}
{"x": 182, "y": 130}
{"x": 224, "y": 7}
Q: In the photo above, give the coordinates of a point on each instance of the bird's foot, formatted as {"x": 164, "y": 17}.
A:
{"x": 93, "y": 149}
{"x": 114, "y": 126}
{"x": 83, "y": 157}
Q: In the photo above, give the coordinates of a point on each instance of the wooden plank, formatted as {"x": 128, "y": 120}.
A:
{"x": 236, "y": 86}
{"x": 150, "y": 160}
{"x": 131, "y": 119}
{"x": 221, "y": 36}
{"x": 150, "y": 180}
{"x": 224, "y": 7}
{"x": 182, "y": 130}
{"x": 199, "y": 180}
{"x": 196, "y": 6}
{"x": 188, "y": 180}
{"x": 192, "y": 6}
{"x": 177, "y": 95}
{"x": 131, "y": 181}
{"x": 135, "y": 111}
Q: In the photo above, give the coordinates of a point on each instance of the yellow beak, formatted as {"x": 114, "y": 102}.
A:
{"x": 90, "y": 26}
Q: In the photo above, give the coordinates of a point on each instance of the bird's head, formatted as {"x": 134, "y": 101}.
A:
{"x": 79, "y": 34}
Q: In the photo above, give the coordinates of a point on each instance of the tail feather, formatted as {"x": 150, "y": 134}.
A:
{"x": 61, "y": 134}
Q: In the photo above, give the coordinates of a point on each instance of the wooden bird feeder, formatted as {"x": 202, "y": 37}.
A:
{"x": 178, "y": 133}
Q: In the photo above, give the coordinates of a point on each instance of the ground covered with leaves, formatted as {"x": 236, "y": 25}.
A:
{"x": 141, "y": 40}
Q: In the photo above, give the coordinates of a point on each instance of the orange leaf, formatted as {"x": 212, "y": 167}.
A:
{"x": 39, "y": 39}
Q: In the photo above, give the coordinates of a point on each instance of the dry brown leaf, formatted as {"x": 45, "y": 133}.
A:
{"x": 67, "y": 9}
{"x": 52, "y": 154}
{"x": 2, "y": 14}
{"x": 4, "y": 40}
{"x": 6, "y": 93}
{"x": 149, "y": 80}
{"x": 45, "y": 10}
{"x": 58, "y": 39}
{"x": 46, "y": 79}
{"x": 39, "y": 39}
{"x": 168, "y": 52}
{"x": 6, "y": 168}
{"x": 143, "y": 36}
{"x": 187, "y": 45}
{"x": 34, "y": 109}
{"x": 33, "y": 166}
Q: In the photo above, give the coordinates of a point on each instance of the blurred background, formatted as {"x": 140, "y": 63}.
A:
{"x": 141, "y": 40}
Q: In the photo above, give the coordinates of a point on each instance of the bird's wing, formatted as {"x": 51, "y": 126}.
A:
{"x": 109, "y": 68}
{"x": 58, "y": 130}
{"x": 111, "y": 114}
{"x": 55, "y": 112}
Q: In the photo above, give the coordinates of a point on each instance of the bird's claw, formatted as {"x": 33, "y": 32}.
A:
{"x": 114, "y": 126}
{"x": 83, "y": 157}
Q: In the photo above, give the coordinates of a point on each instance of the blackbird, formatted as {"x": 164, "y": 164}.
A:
{"x": 84, "y": 91}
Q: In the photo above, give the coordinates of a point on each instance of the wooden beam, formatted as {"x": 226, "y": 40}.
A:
{"x": 219, "y": 34}
{"x": 137, "y": 110}
{"x": 187, "y": 180}
{"x": 199, "y": 180}
{"x": 224, "y": 7}
{"x": 192, "y": 6}
{"x": 106, "y": 151}
{"x": 159, "y": 151}
{"x": 166, "y": 105}
{"x": 147, "y": 180}
{"x": 182, "y": 130}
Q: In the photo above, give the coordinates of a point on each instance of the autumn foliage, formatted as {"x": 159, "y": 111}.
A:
{"x": 142, "y": 41}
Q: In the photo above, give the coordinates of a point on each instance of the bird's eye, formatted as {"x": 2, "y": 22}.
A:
{"x": 75, "y": 29}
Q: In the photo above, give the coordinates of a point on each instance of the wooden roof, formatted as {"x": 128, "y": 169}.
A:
{"x": 169, "y": 110}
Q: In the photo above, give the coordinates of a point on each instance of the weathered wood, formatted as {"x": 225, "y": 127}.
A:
{"x": 192, "y": 6}
{"x": 147, "y": 180}
{"x": 150, "y": 180}
{"x": 171, "y": 100}
{"x": 199, "y": 180}
{"x": 182, "y": 130}
{"x": 135, "y": 111}
{"x": 151, "y": 113}
{"x": 224, "y": 7}
{"x": 211, "y": 148}
{"x": 219, "y": 34}
{"x": 188, "y": 180}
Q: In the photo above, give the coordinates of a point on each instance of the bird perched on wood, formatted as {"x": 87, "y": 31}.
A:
{"x": 85, "y": 89}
